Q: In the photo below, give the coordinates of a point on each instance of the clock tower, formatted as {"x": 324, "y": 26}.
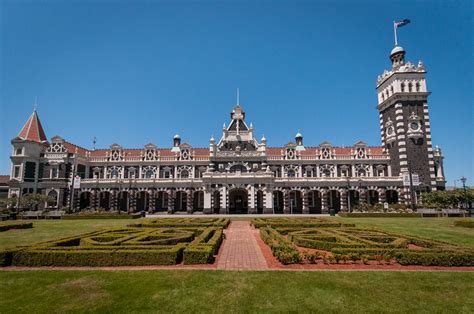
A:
{"x": 405, "y": 122}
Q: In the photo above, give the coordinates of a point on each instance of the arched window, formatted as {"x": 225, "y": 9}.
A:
{"x": 410, "y": 86}
{"x": 402, "y": 87}
{"x": 361, "y": 173}
{"x": 291, "y": 174}
{"x": 326, "y": 173}
{"x": 184, "y": 174}
{"x": 53, "y": 198}
{"x": 417, "y": 86}
{"x": 114, "y": 173}
{"x": 149, "y": 174}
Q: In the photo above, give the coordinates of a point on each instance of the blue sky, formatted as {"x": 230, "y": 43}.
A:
{"x": 135, "y": 72}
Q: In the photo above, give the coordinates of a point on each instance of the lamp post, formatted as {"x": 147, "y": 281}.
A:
{"x": 463, "y": 180}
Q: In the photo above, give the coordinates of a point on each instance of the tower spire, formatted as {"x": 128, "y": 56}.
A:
{"x": 238, "y": 97}
{"x": 33, "y": 130}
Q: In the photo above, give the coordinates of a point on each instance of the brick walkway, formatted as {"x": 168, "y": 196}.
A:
{"x": 241, "y": 250}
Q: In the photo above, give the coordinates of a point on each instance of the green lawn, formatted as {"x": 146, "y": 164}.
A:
{"x": 44, "y": 230}
{"x": 186, "y": 291}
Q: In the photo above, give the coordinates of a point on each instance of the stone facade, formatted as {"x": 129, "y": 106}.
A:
{"x": 237, "y": 173}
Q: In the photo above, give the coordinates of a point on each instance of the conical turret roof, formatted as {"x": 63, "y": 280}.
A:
{"x": 33, "y": 130}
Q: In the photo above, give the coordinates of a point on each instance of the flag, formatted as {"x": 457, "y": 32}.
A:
{"x": 402, "y": 23}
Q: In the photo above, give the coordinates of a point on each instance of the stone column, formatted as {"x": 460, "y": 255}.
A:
{"x": 251, "y": 201}
{"x": 113, "y": 199}
{"x": 382, "y": 195}
{"x": 306, "y": 201}
{"x": 324, "y": 201}
{"x": 77, "y": 202}
{"x": 286, "y": 202}
{"x": 362, "y": 196}
{"x": 224, "y": 201}
{"x": 132, "y": 202}
{"x": 189, "y": 201}
{"x": 152, "y": 201}
{"x": 268, "y": 201}
{"x": 344, "y": 195}
{"x": 95, "y": 200}
{"x": 207, "y": 201}
{"x": 171, "y": 196}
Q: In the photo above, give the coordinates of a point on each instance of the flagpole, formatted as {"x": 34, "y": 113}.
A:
{"x": 395, "y": 32}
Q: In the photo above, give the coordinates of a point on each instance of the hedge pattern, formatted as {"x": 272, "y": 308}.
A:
{"x": 380, "y": 215}
{"x": 294, "y": 222}
{"x": 465, "y": 223}
{"x": 362, "y": 244}
{"x": 123, "y": 247}
{"x": 15, "y": 225}
{"x": 182, "y": 222}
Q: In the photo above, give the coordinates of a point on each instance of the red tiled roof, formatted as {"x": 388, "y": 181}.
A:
{"x": 276, "y": 151}
{"x": 33, "y": 130}
{"x": 72, "y": 148}
{"x": 4, "y": 179}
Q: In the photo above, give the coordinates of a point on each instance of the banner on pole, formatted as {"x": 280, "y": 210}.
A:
{"x": 77, "y": 182}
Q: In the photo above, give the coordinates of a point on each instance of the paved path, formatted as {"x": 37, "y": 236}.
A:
{"x": 241, "y": 250}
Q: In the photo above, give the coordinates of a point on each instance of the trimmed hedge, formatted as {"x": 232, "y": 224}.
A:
{"x": 115, "y": 216}
{"x": 436, "y": 259}
{"x": 380, "y": 215}
{"x": 15, "y": 225}
{"x": 122, "y": 247}
{"x": 182, "y": 222}
{"x": 281, "y": 248}
{"x": 464, "y": 223}
{"x": 45, "y": 257}
{"x": 297, "y": 223}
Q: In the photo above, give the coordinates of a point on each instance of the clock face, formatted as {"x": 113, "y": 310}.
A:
{"x": 414, "y": 126}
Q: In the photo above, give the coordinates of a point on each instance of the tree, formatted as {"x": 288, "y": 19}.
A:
{"x": 35, "y": 201}
{"x": 448, "y": 199}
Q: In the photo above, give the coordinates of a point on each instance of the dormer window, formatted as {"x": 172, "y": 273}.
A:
{"x": 19, "y": 151}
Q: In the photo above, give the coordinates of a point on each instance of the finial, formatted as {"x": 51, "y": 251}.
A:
{"x": 94, "y": 141}
{"x": 35, "y": 105}
{"x": 238, "y": 96}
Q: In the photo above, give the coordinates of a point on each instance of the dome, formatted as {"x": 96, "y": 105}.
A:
{"x": 177, "y": 136}
{"x": 397, "y": 49}
{"x": 298, "y": 135}
{"x": 263, "y": 138}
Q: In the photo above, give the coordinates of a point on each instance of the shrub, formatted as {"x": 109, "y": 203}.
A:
{"x": 15, "y": 225}
{"x": 379, "y": 215}
{"x": 438, "y": 258}
{"x": 464, "y": 223}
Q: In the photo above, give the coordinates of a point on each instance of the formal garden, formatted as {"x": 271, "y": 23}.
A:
{"x": 313, "y": 241}
{"x": 156, "y": 242}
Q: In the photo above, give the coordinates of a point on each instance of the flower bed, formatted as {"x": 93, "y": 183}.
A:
{"x": 333, "y": 245}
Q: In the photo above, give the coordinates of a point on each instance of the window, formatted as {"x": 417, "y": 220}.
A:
{"x": 417, "y": 86}
{"x": 380, "y": 172}
{"x": 326, "y": 173}
{"x": 114, "y": 173}
{"x": 54, "y": 173}
{"x": 403, "y": 87}
{"x": 19, "y": 151}
{"x": 291, "y": 174}
{"x": 149, "y": 174}
{"x": 16, "y": 172}
{"x": 410, "y": 85}
{"x": 184, "y": 174}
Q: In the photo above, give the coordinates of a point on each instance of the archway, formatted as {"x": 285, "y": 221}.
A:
{"x": 354, "y": 199}
{"x": 217, "y": 202}
{"x": 335, "y": 200}
{"x": 198, "y": 201}
{"x": 180, "y": 201}
{"x": 53, "y": 199}
{"x": 104, "y": 200}
{"x": 372, "y": 197}
{"x": 314, "y": 202}
{"x": 122, "y": 201}
{"x": 391, "y": 196}
{"x": 259, "y": 202}
{"x": 238, "y": 201}
{"x": 142, "y": 201}
{"x": 85, "y": 200}
{"x": 161, "y": 201}
{"x": 278, "y": 203}
{"x": 296, "y": 202}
